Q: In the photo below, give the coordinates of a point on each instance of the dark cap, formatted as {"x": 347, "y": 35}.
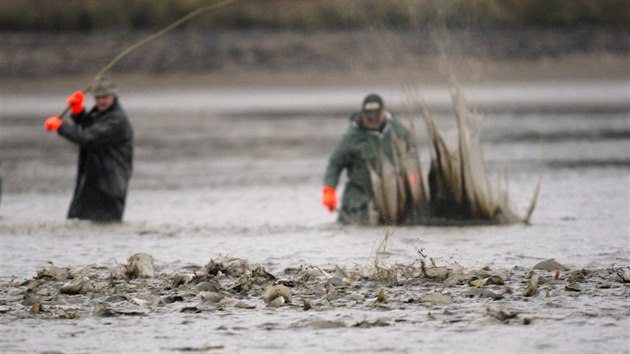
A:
{"x": 372, "y": 105}
{"x": 103, "y": 86}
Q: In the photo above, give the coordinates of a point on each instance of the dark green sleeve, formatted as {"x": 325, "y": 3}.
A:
{"x": 341, "y": 158}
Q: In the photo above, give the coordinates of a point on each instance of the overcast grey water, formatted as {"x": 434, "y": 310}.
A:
{"x": 239, "y": 172}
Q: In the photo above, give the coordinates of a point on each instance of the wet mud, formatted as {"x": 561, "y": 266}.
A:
{"x": 382, "y": 296}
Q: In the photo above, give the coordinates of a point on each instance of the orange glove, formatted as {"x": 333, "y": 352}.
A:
{"x": 75, "y": 101}
{"x": 52, "y": 123}
{"x": 329, "y": 198}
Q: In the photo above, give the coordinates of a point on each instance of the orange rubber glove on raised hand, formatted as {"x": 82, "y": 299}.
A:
{"x": 75, "y": 101}
{"x": 329, "y": 198}
{"x": 53, "y": 123}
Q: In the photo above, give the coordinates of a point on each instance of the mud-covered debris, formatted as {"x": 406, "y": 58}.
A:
{"x": 306, "y": 305}
{"x": 324, "y": 324}
{"x": 437, "y": 298}
{"x": 358, "y": 288}
{"x": 203, "y": 348}
{"x": 356, "y": 297}
{"x": 244, "y": 305}
{"x": 227, "y": 302}
{"x": 53, "y": 272}
{"x": 181, "y": 279}
{"x": 211, "y": 296}
{"x": 77, "y": 286}
{"x": 191, "y": 309}
{"x": 230, "y": 266}
{"x": 32, "y": 283}
{"x": 30, "y": 299}
{"x": 495, "y": 280}
{"x": 139, "y": 302}
{"x": 578, "y": 276}
{"x": 169, "y": 299}
{"x": 102, "y": 310}
{"x": 105, "y": 310}
{"x": 572, "y": 287}
{"x": 482, "y": 293}
{"x": 207, "y": 286}
{"x": 485, "y": 320}
{"x": 381, "y": 322}
{"x": 140, "y": 265}
{"x": 36, "y": 308}
{"x": 342, "y": 276}
{"x": 381, "y": 296}
{"x": 624, "y": 274}
{"x": 491, "y": 280}
{"x": 277, "y": 302}
{"x": 532, "y": 286}
{"x": 262, "y": 274}
{"x": 436, "y": 273}
{"x": 458, "y": 277}
{"x": 550, "y": 265}
{"x": 276, "y": 291}
{"x": 384, "y": 275}
{"x": 500, "y": 313}
{"x": 59, "y": 313}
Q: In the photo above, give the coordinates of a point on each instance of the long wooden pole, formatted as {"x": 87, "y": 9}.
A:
{"x": 145, "y": 41}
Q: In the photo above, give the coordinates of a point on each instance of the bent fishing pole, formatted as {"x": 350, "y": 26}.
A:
{"x": 145, "y": 41}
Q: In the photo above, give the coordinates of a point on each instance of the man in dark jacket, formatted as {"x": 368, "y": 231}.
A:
{"x": 374, "y": 140}
{"x": 105, "y": 140}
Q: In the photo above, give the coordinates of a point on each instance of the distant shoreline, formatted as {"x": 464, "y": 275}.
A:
{"x": 188, "y": 58}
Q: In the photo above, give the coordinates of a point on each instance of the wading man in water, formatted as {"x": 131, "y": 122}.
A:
{"x": 105, "y": 140}
{"x": 369, "y": 151}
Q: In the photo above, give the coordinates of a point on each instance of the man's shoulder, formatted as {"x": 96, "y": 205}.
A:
{"x": 397, "y": 124}
{"x": 115, "y": 112}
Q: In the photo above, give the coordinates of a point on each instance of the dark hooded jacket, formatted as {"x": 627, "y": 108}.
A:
{"x": 105, "y": 142}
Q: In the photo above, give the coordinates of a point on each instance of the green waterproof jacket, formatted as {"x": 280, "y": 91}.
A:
{"x": 358, "y": 147}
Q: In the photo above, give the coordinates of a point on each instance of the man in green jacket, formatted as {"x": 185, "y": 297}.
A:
{"x": 374, "y": 140}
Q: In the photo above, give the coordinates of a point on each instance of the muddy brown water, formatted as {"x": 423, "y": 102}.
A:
{"x": 238, "y": 172}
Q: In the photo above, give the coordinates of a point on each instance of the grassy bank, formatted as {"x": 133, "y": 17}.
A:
{"x": 90, "y": 15}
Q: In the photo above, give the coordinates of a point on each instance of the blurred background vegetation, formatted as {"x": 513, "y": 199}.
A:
{"x": 94, "y": 15}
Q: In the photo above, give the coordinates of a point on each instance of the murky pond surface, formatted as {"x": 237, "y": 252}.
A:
{"x": 237, "y": 172}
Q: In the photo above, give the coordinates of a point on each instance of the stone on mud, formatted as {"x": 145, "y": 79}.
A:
{"x": 276, "y": 291}
{"x": 211, "y": 296}
{"x": 140, "y": 265}
{"x": 437, "y": 273}
{"x": 550, "y": 265}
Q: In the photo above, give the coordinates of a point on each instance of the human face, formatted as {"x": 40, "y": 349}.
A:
{"x": 374, "y": 123}
{"x": 104, "y": 102}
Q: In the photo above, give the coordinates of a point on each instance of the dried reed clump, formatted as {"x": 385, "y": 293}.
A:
{"x": 460, "y": 190}
{"x": 460, "y": 185}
